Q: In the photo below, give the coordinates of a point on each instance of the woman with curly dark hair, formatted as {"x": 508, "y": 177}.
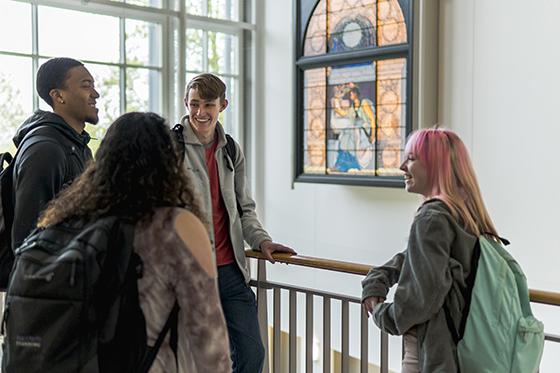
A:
{"x": 138, "y": 173}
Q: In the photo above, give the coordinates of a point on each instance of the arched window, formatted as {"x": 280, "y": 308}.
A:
{"x": 353, "y": 89}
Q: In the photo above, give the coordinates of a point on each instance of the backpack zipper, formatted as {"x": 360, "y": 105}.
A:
{"x": 73, "y": 273}
{"x": 47, "y": 278}
{"x": 5, "y": 318}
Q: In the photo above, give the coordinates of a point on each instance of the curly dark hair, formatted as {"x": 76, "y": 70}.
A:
{"x": 138, "y": 168}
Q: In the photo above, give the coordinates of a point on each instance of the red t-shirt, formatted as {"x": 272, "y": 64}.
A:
{"x": 220, "y": 220}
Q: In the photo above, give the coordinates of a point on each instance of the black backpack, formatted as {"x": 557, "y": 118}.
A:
{"x": 72, "y": 302}
{"x": 7, "y": 206}
{"x": 6, "y": 218}
{"x": 231, "y": 152}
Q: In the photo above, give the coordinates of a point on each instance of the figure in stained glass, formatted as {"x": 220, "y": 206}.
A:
{"x": 352, "y": 124}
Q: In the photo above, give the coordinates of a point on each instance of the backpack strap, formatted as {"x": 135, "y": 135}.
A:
{"x": 467, "y": 296}
{"x": 231, "y": 149}
{"x": 7, "y": 201}
{"x": 119, "y": 267}
{"x": 32, "y": 138}
{"x": 504, "y": 241}
{"x": 174, "y": 339}
{"x": 26, "y": 142}
{"x": 231, "y": 152}
{"x": 178, "y": 132}
{"x": 5, "y": 157}
{"x": 172, "y": 321}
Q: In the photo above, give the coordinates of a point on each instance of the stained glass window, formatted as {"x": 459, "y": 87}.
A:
{"x": 353, "y": 74}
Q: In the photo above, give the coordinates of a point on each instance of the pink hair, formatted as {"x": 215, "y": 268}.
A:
{"x": 451, "y": 176}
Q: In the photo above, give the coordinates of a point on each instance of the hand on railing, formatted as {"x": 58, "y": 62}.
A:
{"x": 370, "y": 303}
{"x": 269, "y": 247}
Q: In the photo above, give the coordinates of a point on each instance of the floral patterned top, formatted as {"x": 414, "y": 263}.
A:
{"x": 172, "y": 272}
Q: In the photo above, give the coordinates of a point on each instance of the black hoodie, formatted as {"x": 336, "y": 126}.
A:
{"x": 51, "y": 161}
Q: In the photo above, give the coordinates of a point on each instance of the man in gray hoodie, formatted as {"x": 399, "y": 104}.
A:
{"x": 219, "y": 175}
{"x": 52, "y": 146}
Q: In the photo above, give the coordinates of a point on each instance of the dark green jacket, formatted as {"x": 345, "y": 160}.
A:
{"x": 430, "y": 272}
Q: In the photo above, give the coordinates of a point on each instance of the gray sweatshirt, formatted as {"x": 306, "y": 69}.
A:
{"x": 234, "y": 188}
{"x": 431, "y": 272}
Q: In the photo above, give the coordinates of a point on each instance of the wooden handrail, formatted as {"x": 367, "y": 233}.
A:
{"x": 537, "y": 296}
{"x": 309, "y": 261}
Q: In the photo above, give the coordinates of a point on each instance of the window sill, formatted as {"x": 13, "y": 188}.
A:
{"x": 375, "y": 181}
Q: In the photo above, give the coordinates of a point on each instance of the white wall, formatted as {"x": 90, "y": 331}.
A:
{"x": 498, "y": 89}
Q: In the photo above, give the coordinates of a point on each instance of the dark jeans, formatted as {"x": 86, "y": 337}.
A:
{"x": 240, "y": 310}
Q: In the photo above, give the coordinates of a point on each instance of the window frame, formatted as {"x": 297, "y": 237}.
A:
{"x": 236, "y": 29}
{"x": 303, "y": 63}
{"x": 174, "y": 20}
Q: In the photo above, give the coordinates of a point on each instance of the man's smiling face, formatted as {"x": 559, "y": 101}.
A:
{"x": 203, "y": 113}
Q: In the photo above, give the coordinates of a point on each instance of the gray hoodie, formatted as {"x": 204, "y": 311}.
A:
{"x": 52, "y": 160}
{"x": 234, "y": 189}
{"x": 431, "y": 272}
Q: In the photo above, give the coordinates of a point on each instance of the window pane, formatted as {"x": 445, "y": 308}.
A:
{"x": 225, "y": 9}
{"x": 351, "y": 118}
{"x": 351, "y": 26}
{"x": 316, "y": 37}
{"x": 143, "y": 43}
{"x": 174, "y": 4}
{"x": 344, "y": 25}
{"x": 42, "y": 104}
{"x": 355, "y": 118}
{"x": 222, "y": 52}
{"x": 391, "y": 28}
{"x": 391, "y": 109}
{"x": 143, "y": 90}
{"x": 107, "y": 84}
{"x": 152, "y": 3}
{"x": 196, "y": 7}
{"x": 16, "y": 99}
{"x": 190, "y": 77}
{"x": 177, "y": 87}
{"x": 15, "y": 16}
{"x": 194, "y": 50}
{"x": 314, "y": 119}
{"x": 99, "y": 40}
{"x": 228, "y": 117}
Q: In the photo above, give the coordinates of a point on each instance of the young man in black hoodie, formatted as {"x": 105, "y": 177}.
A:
{"x": 53, "y": 144}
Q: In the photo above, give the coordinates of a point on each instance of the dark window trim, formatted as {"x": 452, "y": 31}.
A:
{"x": 302, "y": 63}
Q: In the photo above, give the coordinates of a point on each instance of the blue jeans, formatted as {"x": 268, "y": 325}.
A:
{"x": 240, "y": 311}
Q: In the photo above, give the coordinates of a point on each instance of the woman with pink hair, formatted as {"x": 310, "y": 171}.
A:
{"x": 431, "y": 273}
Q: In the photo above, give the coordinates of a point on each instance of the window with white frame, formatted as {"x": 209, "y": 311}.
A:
{"x": 135, "y": 49}
{"x": 213, "y": 42}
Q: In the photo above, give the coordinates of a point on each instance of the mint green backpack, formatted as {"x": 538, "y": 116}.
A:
{"x": 499, "y": 333}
